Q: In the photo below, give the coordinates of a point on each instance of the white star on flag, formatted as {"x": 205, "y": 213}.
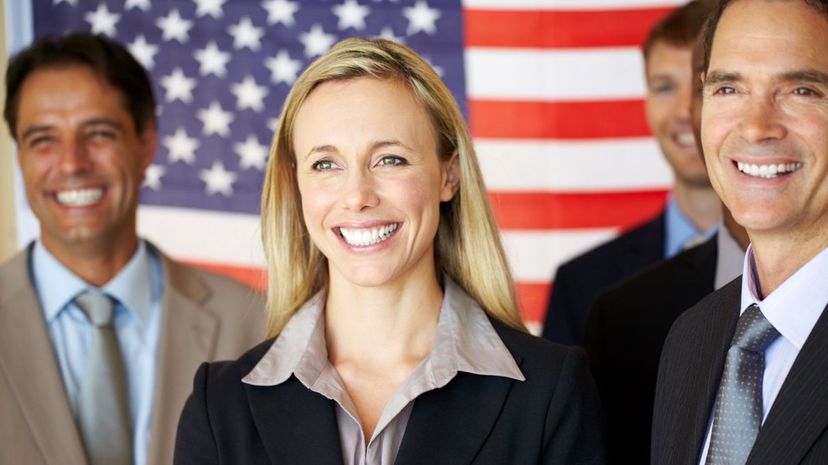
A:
{"x": 245, "y": 34}
{"x": 283, "y": 68}
{"x": 181, "y": 147}
{"x": 173, "y": 26}
{"x": 143, "y": 51}
{"x": 280, "y": 11}
{"x": 316, "y": 41}
{"x": 252, "y": 153}
{"x": 152, "y": 176}
{"x": 143, "y": 5}
{"x": 210, "y": 7}
{"x": 71, "y": 2}
{"x": 212, "y": 60}
{"x": 178, "y": 86}
{"x": 421, "y": 17}
{"x": 102, "y": 20}
{"x": 351, "y": 14}
{"x": 249, "y": 94}
{"x": 215, "y": 120}
{"x": 218, "y": 180}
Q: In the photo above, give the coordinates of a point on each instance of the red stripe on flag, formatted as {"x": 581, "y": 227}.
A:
{"x": 559, "y": 29}
{"x": 554, "y": 210}
{"x": 251, "y": 276}
{"x": 532, "y": 299}
{"x": 557, "y": 120}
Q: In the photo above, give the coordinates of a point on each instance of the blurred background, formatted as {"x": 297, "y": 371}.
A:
{"x": 553, "y": 91}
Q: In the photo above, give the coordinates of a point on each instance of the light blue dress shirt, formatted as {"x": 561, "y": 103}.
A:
{"x": 793, "y": 309}
{"x": 679, "y": 230}
{"x": 137, "y": 289}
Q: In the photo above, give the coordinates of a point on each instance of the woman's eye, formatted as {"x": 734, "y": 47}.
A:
{"x": 322, "y": 165}
{"x": 391, "y": 160}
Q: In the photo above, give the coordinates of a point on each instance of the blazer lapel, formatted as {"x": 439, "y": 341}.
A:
{"x": 188, "y": 337}
{"x": 706, "y": 365}
{"x": 297, "y": 426}
{"x": 799, "y": 415}
{"x": 28, "y": 363}
{"x": 453, "y": 421}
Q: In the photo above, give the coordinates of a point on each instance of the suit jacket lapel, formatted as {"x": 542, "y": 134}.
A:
{"x": 27, "y": 361}
{"x": 297, "y": 426}
{"x": 188, "y": 337}
{"x": 799, "y": 415}
{"x": 705, "y": 367}
{"x": 453, "y": 421}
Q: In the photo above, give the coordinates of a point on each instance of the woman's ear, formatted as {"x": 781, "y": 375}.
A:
{"x": 451, "y": 177}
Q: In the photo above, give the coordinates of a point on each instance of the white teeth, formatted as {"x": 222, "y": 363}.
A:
{"x": 767, "y": 171}
{"x": 79, "y": 197}
{"x": 686, "y": 138}
{"x": 366, "y": 237}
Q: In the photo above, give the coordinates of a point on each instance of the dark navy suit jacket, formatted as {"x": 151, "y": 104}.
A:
{"x": 579, "y": 281}
{"x": 795, "y": 431}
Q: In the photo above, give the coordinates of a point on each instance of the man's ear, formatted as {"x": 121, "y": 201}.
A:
{"x": 451, "y": 177}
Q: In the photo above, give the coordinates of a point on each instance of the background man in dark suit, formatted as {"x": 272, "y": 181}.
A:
{"x": 743, "y": 373}
{"x": 628, "y": 323}
{"x": 693, "y": 209}
{"x": 82, "y": 111}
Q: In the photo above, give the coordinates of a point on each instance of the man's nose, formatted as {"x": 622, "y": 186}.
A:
{"x": 760, "y": 120}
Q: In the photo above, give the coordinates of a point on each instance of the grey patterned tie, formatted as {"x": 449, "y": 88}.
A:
{"x": 738, "y": 413}
{"x": 103, "y": 410}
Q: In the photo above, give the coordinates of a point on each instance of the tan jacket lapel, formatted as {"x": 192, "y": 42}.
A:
{"x": 188, "y": 337}
{"x": 28, "y": 364}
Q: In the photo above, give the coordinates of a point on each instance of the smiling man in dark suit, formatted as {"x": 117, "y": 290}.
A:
{"x": 743, "y": 373}
{"x": 693, "y": 209}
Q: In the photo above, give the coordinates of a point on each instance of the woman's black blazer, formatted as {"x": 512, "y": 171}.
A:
{"x": 551, "y": 418}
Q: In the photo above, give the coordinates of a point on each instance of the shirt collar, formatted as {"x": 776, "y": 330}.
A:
{"x": 679, "y": 230}
{"x": 730, "y": 258}
{"x": 795, "y": 306}
{"x": 465, "y": 341}
{"x": 132, "y": 287}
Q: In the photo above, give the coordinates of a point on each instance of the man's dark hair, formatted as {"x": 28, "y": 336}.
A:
{"x": 710, "y": 30}
{"x": 103, "y": 56}
{"x": 681, "y": 27}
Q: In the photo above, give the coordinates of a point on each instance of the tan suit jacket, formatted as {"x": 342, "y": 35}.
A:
{"x": 204, "y": 317}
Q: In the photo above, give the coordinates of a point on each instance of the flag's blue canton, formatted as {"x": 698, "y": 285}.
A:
{"x": 222, "y": 68}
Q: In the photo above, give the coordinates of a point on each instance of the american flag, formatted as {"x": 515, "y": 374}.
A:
{"x": 553, "y": 91}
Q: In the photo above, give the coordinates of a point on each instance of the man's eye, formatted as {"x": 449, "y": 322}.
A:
{"x": 322, "y": 165}
{"x": 101, "y": 134}
{"x": 724, "y": 90}
{"x": 391, "y": 160}
{"x": 804, "y": 91}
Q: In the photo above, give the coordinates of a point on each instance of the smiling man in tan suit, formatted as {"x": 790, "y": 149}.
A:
{"x": 81, "y": 109}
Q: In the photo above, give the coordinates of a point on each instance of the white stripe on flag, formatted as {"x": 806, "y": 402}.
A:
{"x": 568, "y": 4}
{"x": 203, "y": 236}
{"x": 535, "y": 255}
{"x": 567, "y": 166}
{"x": 560, "y": 74}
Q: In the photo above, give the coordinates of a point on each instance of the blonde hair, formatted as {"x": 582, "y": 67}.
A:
{"x": 467, "y": 245}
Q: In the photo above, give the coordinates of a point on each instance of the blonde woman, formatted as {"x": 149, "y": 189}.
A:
{"x": 395, "y": 337}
